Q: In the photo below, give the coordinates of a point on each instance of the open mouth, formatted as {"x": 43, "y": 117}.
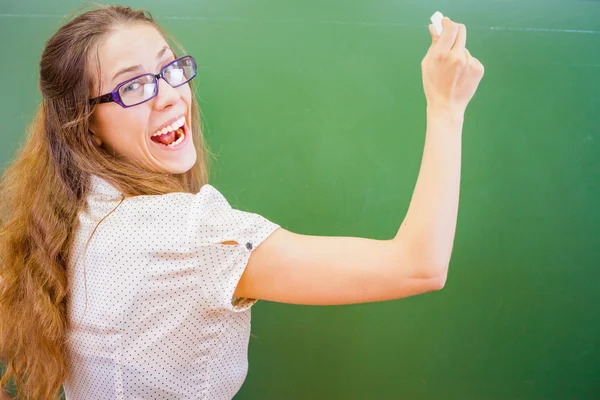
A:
{"x": 171, "y": 135}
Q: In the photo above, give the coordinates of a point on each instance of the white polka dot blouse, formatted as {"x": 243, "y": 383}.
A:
{"x": 151, "y": 308}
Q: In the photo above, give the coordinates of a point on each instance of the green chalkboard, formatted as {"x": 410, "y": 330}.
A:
{"x": 316, "y": 114}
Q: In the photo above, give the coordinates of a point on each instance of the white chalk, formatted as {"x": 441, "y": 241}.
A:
{"x": 436, "y": 20}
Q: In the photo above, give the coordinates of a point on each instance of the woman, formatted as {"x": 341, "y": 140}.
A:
{"x": 125, "y": 275}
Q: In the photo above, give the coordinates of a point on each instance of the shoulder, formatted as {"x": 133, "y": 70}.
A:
{"x": 202, "y": 217}
{"x": 173, "y": 211}
{"x": 104, "y": 197}
{"x": 172, "y": 206}
{"x": 151, "y": 212}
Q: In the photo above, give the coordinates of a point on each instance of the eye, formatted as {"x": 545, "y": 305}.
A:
{"x": 134, "y": 85}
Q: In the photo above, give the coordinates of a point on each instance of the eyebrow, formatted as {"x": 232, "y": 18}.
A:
{"x": 160, "y": 54}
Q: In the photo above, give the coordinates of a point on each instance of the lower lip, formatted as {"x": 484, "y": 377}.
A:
{"x": 177, "y": 146}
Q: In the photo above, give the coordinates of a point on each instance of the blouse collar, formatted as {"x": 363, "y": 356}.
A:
{"x": 101, "y": 188}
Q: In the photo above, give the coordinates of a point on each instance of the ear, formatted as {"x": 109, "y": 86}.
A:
{"x": 91, "y": 130}
{"x": 96, "y": 140}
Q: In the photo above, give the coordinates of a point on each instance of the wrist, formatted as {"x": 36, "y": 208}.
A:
{"x": 448, "y": 113}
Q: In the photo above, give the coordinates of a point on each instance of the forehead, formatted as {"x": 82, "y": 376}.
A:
{"x": 127, "y": 46}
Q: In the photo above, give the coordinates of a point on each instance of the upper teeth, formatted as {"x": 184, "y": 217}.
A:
{"x": 173, "y": 127}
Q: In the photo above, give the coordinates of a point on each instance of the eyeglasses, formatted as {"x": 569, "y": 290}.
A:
{"x": 145, "y": 87}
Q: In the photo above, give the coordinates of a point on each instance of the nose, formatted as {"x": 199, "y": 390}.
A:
{"x": 167, "y": 95}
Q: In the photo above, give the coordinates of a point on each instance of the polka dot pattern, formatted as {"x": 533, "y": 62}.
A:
{"x": 151, "y": 308}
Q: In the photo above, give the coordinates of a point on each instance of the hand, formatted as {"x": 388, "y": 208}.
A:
{"x": 450, "y": 74}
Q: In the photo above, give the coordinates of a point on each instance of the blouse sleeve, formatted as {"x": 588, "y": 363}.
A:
{"x": 223, "y": 239}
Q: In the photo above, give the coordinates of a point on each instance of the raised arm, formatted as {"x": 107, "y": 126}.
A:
{"x": 301, "y": 269}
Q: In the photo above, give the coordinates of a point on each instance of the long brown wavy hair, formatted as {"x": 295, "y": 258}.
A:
{"x": 45, "y": 188}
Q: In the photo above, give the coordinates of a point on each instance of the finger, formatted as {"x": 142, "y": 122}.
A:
{"x": 470, "y": 58}
{"x": 434, "y": 35}
{"x": 474, "y": 63}
{"x": 478, "y": 66}
{"x": 461, "y": 38}
{"x": 448, "y": 36}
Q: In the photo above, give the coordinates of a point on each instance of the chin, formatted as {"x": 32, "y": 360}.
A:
{"x": 179, "y": 169}
{"x": 182, "y": 166}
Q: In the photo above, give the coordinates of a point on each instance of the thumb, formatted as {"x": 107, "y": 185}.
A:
{"x": 434, "y": 35}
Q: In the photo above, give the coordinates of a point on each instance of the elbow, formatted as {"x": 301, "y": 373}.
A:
{"x": 437, "y": 282}
{"x": 428, "y": 263}
{"x": 438, "y": 273}
{"x": 434, "y": 276}
{"x": 434, "y": 267}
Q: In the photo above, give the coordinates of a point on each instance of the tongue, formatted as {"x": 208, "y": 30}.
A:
{"x": 165, "y": 139}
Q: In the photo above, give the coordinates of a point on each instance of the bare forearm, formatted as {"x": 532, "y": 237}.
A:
{"x": 430, "y": 223}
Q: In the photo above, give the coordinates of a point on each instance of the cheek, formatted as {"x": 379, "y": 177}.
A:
{"x": 187, "y": 95}
{"x": 121, "y": 130}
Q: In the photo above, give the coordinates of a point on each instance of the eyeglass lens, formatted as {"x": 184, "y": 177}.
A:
{"x": 145, "y": 87}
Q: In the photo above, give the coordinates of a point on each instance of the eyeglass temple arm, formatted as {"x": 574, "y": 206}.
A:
{"x": 106, "y": 98}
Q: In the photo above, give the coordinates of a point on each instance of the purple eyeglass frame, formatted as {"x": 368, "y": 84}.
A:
{"x": 115, "y": 97}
